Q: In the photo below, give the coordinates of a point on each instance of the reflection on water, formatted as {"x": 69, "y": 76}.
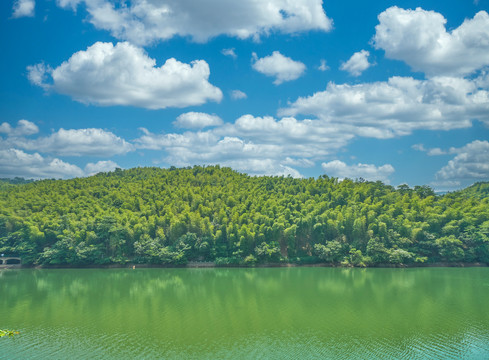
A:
{"x": 246, "y": 313}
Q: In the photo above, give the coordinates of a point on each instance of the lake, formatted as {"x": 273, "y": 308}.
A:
{"x": 263, "y": 313}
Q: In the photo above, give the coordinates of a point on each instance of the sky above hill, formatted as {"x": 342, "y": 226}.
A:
{"x": 383, "y": 90}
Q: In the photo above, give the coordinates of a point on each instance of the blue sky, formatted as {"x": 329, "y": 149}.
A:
{"x": 384, "y": 90}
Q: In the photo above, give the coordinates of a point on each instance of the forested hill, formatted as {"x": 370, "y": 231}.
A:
{"x": 479, "y": 189}
{"x": 172, "y": 216}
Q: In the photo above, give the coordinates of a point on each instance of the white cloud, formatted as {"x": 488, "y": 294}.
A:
{"x": 23, "y": 128}
{"x": 296, "y": 138}
{"x": 14, "y": 162}
{"x": 197, "y": 120}
{"x": 256, "y": 145}
{"x": 288, "y": 171}
{"x": 38, "y": 74}
{"x": 370, "y": 172}
{"x": 323, "y": 66}
{"x": 470, "y": 164}
{"x": 357, "y": 64}
{"x": 304, "y": 163}
{"x": 229, "y": 52}
{"x": 258, "y": 167}
{"x": 398, "y": 106}
{"x": 5, "y": 128}
{"x": 281, "y": 67}
{"x": 209, "y": 148}
{"x": 74, "y": 142}
{"x": 123, "y": 74}
{"x": 430, "y": 152}
{"x": 70, "y": 3}
{"x": 238, "y": 95}
{"x": 23, "y": 8}
{"x": 436, "y": 152}
{"x": 100, "y": 166}
{"x": 419, "y": 38}
{"x": 146, "y": 21}
{"x": 419, "y": 147}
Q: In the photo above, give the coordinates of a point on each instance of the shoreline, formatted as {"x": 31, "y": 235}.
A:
{"x": 208, "y": 265}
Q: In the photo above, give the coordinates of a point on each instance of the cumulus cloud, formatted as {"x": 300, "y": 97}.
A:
{"x": 470, "y": 164}
{"x": 357, "y": 64}
{"x": 304, "y": 163}
{"x": 124, "y": 74}
{"x": 278, "y": 138}
{"x": 23, "y": 128}
{"x": 229, "y": 52}
{"x": 430, "y": 152}
{"x": 15, "y": 162}
{"x": 22, "y": 155}
{"x": 100, "y": 166}
{"x": 370, "y": 172}
{"x": 69, "y": 3}
{"x": 323, "y": 66}
{"x": 38, "y": 74}
{"x": 419, "y": 147}
{"x": 147, "y": 21}
{"x": 436, "y": 152}
{"x": 420, "y": 39}
{"x": 280, "y": 67}
{"x": 256, "y": 145}
{"x": 210, "y": 148}
{"x": 398, "y": 106}
{"x": 297, "y": 138}
{"x": 73, "y": 142}
{"x": 23, "y": 8}
{"x": 197, "y": 120}
{"x": 238, "y": 95}
{"x": 259, "y": 167}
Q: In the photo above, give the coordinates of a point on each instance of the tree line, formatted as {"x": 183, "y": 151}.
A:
{"x": 208, "y": 213}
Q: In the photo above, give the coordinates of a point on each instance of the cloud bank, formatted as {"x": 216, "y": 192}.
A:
{"x": 398, "y": 106}
{"x": 72, "y": 142}
{"x": 369, "y": 172}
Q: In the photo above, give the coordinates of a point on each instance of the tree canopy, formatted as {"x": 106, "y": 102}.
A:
{"x": 173, "y": 216}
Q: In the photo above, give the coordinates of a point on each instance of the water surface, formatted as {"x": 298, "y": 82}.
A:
{"x": 272, "y": 313}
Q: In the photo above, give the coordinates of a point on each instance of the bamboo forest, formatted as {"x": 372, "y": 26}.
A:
{"x": 213, "y": 214}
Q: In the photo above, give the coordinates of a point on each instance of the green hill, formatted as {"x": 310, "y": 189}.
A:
{"x": 172, "y": 216}
{"x": 479, "y": 189}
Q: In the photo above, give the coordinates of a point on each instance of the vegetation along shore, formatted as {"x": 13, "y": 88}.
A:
{"x": 214, "y": 215}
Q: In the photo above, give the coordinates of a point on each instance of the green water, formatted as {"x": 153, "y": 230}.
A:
{"x": 275, "y": 313}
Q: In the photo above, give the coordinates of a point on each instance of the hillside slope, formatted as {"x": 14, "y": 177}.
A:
{"x": 479, "y": 189}
{"x": 172, "y": 216}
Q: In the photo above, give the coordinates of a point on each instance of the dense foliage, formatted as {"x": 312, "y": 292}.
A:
{"x": 479, "y": 189}
{"x": 15, "y": 180}
{"x": 172, "y": 216}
